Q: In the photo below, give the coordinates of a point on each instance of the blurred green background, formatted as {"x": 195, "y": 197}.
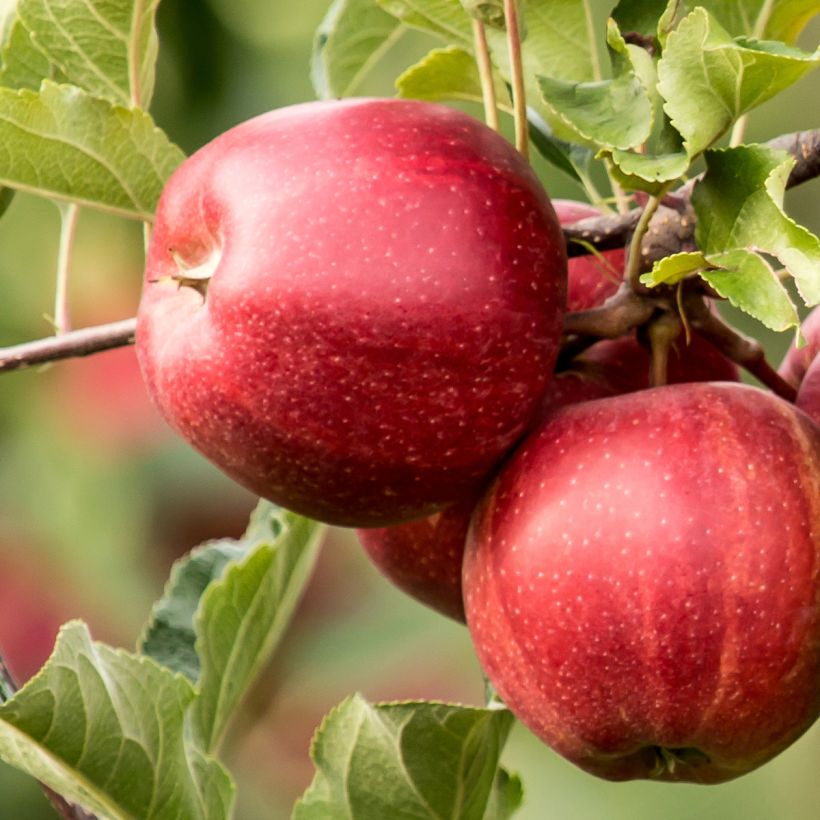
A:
{"x": 97, "y": 498}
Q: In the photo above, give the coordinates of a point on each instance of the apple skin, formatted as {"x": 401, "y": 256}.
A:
{"x": 796, "y": 362}
{"x": 423, "y": 558}
{"x": 591, "y": 278}
{"x": 642, "y": 582}
{"x": 808, "y": 396}
{"x": 383, "y": 310}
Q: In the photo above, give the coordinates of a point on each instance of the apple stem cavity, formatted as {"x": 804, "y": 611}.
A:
{"x": 517, "y": 76}
{"x": 196, "y": 276}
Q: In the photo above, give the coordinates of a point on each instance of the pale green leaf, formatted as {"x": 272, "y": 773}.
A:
{"x": 350, "y": 40}
{"x": 709, "y": 80}
{"x": 106, "y": 729}
{"x": 444, "y": 18}
{"x": 647, "y": 172}
{"x": 671, "y": 269}
{"x": 610, "y": 114}
{"x": 63, "y": 144}
{"x": 446, "y": 74}
{"x": 770, "y": 19}
{"x": 105, "y": 47}
{"x": 749, "y": 283}
{"x": 506, "y": 796}
{"x": 640, "y": 16}
{"x": 408, "y": 760}
{"x": 739, "y": 204}
{"x": 242, "y": 616}
{"x": 23, "y": 64}
{"x": 170, "y": 636}
{"x": 489, "y": 12}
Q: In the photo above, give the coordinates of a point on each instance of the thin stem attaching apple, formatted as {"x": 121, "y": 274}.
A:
{"x": 663, "y": 332}
{"x": 485, "y": 73}
{"x": 68, "y": 230}
{"x": 517, "y": 76}
{"x": 635, "y": 254}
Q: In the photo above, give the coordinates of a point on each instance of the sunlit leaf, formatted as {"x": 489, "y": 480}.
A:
{"x": 349, "y": 42}
{"x": 105, "y": 47}
{"x": 708, "y": 79}
{"x": 63, "y": 144}
{"x": 739, "y": 204}
{"x": 446, "y": 74}
{"x": 242, "y": 616}
{"x": 749, "y": 283}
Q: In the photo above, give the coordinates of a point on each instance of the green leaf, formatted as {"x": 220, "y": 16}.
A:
{"x": 571, "y": 158}
{"x": 446, "y": 74}
{"x": 749, "y": 283}
{"x": 170, "y": 637}
{"x": 640, "y": 16}
{"x": 770, "y": 19}
{"x": 106, "y": 729}
{"x": 611, "y": 114}
{"x": 61, "y": 143}
{"x": 645, "y": 172}
{"x": 739, "y": 204}
{"x": 506, "y": 797}
{"x": 349, "y": 42}
{"x": 444, "y": 18}
{"x": 672, "y": 269}
{"x": 23, "y": 64}
{"x": 242, "y": 616}
{"x": 489, "y": 12}
{"x": 709, "y": 80}
{"x": 106, "y": 47}
{"x": 408, "y": 760}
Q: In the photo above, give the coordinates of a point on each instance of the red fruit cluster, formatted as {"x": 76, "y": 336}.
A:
{"x": 354, "y": 309}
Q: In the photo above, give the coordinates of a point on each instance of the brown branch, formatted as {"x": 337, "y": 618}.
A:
{"x": 606, "y": 232}
{"x": 746, "y": 352}
{"x": 622, "y": 312}
{"x": 68, "y": 345}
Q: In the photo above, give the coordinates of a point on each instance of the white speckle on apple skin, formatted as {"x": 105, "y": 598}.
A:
{"x": 363, "y": 355}
{"x": 693, "y": 626}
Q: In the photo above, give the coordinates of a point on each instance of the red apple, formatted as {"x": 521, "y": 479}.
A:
{"x": 423, "y": 558}
{"x": 808, "y": 396}
{"x": 353, "y": 308}
{"x": 626, "y": 362}
{"x": 797, "y": 361}
{"x": 591, "y": 278}
{"x": 642, "y": 582}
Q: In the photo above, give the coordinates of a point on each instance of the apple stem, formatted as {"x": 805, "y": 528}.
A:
{"x": 517, "y": 77}
{"x": 663, "y": 332}
{"x": 68, "y": 230}
{"x": 742, "y": 350}
{"x": 68, "y": 345}
{"x": 635, "y": 254}
{"x": 485, "y": 72}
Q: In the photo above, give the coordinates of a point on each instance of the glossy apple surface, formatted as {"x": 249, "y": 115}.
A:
{"x": 423, "y": 558}
{"x": 353, "y": 308}
{"x": 798, "y": 360}
{"x": 808, "y": 396}
{"x": 642, "y": 582}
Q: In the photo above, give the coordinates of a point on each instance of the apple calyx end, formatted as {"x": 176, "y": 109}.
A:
{"x": 196, "y": 276}
{"x": 667, "y": 761}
